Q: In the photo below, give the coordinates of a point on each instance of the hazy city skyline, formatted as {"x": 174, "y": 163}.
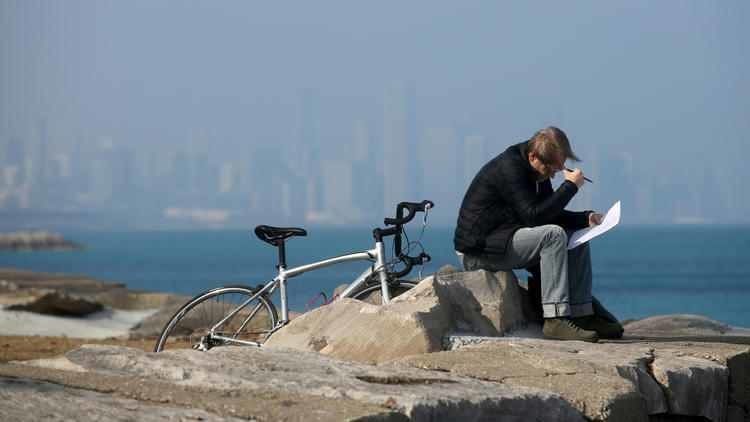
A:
{"x": 161, "y": 114}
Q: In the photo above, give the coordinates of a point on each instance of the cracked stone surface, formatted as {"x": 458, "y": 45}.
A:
{"x": 500, "y": 378}
{"x": 37, "y": 400}
{"x": 691, "y": 372}
{"x": 381, "y": 391}
{"x": 609, "y": 381}
{"x": 153, "y": 394}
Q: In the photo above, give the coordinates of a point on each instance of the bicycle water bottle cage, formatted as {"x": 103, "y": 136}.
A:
{"x": 276, "y": 235}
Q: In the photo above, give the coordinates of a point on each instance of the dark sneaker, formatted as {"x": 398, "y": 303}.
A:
{"x": 601, "y": 311}
{"x": 605, "y": 329}
{"x": 566, "y": 329}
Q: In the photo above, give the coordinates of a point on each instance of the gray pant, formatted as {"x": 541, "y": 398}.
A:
{"x": 566, "y": 274}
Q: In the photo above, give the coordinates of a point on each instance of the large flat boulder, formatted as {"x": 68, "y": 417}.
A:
{"x": 313, "y": 385}
{"x": 482, "y": 378}
{"x": 33, "y": 400}
{"x": 571, "y": 369}
{"x": 614, "y": 381}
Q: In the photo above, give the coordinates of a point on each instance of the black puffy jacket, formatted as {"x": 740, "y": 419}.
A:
{"x": 505, "y": 196}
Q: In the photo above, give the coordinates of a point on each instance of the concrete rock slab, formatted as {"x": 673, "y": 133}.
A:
{"x": 690, "y": 369}
{"x": 415, "y": 322}
{"x": 416, "y": 394}
{"x": 482, "y": 302}
{"x": 693, "y": 386}
{"x": 30, "y": 400}
{"x": 358, "y": 331}
{"x": 604, "y": 382}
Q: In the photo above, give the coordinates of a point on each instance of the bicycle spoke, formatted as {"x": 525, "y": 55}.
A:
{"x": 205, "y": 321}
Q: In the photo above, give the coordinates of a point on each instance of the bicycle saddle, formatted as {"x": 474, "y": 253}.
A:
{"x": 275, "y": 235}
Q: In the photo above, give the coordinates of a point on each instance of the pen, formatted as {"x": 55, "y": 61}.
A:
{"x": 584, "y": 177}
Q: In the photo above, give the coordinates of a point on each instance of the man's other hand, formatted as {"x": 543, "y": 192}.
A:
{"x": 575, "y": 176}
{"x": 595, "y": 219}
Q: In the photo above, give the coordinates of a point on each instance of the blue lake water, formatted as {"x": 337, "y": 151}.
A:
{"x": 638, "y": 271}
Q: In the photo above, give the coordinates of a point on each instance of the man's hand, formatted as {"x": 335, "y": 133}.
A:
{"x": 575, "y": 176}
{"x": 595, "y": 219}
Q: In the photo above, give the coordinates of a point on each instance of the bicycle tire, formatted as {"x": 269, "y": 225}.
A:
{"x": 371, "y": 293}
{"x": 186, "y": 327}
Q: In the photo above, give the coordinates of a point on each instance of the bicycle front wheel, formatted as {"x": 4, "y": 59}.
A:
{"x": 372, "y": 293}
{"x": 197, "y": 323}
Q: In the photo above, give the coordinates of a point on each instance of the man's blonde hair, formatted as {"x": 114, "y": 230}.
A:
{"x": 550, "y": 144}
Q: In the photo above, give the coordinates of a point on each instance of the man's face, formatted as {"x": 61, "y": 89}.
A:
{"x": 545, "y": 169}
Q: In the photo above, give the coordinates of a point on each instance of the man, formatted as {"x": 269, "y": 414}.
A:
{"x": 511, "y": 218}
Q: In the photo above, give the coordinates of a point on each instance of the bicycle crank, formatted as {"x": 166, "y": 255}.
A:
{"x": 205, "y": 344}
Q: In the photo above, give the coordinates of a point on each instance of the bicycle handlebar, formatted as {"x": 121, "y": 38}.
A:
{"x": 412, "y": 208}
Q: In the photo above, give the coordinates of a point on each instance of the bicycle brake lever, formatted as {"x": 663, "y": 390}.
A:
{"x": 421, "y": 259}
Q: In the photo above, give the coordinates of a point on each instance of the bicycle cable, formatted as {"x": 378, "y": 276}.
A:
{"x": 414, "y": 243}
{"x": 421, "y": 233}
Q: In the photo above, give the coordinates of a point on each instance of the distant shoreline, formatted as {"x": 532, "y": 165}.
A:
{"x": 36, "y": 240}
{"x": 366, "y": 227}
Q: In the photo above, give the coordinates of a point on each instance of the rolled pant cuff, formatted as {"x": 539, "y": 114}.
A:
{"x": 556, "y": 310}
{"x": 581, "y": 309}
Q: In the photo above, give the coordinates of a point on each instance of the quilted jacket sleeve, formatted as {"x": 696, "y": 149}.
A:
{"x": 532, "y": 209}
{"x": 574, "y": 220}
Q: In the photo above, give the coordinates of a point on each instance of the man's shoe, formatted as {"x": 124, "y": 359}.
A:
{"x": 605, "y": 329}
{"x": 566, "y": 329}
{"x": 601, "y": 311}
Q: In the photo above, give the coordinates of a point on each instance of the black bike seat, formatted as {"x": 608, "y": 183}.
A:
{"x": 275, "y": 235}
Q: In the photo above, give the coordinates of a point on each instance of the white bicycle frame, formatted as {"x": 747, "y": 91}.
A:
{"x": 376, "y": 255}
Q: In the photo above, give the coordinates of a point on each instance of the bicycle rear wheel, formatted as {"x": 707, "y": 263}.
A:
{"x": 191, "y": 325}
{"x": 372, "y": 294}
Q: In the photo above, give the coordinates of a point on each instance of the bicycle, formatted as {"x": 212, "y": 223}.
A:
{"x": 244, "y": 315}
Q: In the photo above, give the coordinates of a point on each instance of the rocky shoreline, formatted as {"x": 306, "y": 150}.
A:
{"x": 458, "y": 346}
{"x": 35, "y": 303}
{"x": 33, "y": 289}
{"x": 36, "y": 240}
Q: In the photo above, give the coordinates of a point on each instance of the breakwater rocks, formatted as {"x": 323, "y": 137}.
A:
{"x": 73, "y": 295}
{"x": 36, "y": 240}
{"x": 454, "y": 348}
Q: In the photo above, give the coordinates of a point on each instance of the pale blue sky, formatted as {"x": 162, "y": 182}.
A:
{"x": 664, "y": 83}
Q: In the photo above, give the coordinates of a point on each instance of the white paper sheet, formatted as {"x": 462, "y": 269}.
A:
{"x": 611, "y": 219}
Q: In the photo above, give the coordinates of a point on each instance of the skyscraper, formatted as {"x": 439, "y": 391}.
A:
{"x": 401, "y": 175}
{"x": 101, "y": 177}
{"x": 337, "y": 196}
{"x": 15, "y": 157}
{"x": 474, "y": 157}
{"x": 367, "y": 189}
{"x": 442, "y": 181}
{"x": 306, "y": 152}
{"x": 39, "y": 162}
